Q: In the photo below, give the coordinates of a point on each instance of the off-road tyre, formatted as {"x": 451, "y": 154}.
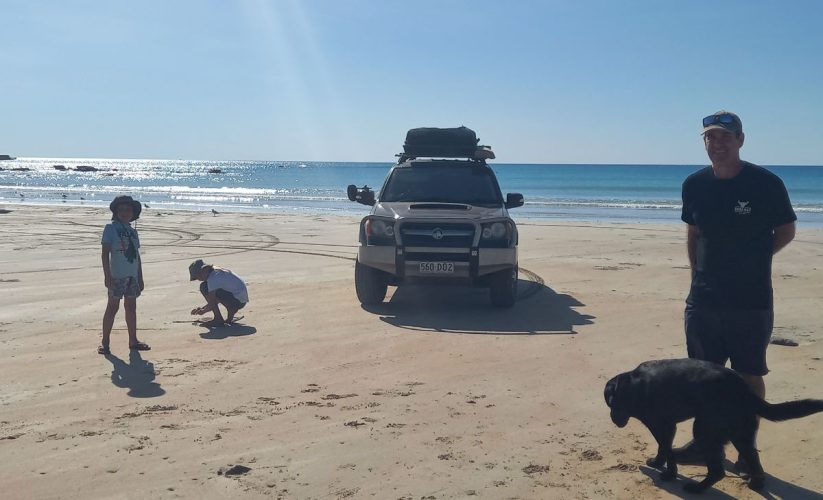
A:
{"x": 370, "y": 284}
{"x": 503, "y": 287}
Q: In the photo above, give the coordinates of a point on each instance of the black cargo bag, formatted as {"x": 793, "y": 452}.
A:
{"x": 459, "y": 142}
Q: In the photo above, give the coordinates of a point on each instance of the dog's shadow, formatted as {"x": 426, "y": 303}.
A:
{"x": 775, "y": 488}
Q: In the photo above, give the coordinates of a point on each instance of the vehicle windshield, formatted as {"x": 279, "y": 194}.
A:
{"x": 443, "y": 183}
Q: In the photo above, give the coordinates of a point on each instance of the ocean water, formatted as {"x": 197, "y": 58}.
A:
{"x": 608, "y": 193}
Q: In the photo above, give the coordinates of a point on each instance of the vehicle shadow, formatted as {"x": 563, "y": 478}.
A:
{"x": 775, "y": 488}
{"x": 137, "y": 375}
{"x": 538, "y": 311}
{"x": 224, "y": 332}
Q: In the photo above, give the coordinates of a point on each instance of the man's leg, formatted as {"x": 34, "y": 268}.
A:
{"x": 750, "y": 333}
{"x": 704, "y": 341}
{"x": 756, "y": 384}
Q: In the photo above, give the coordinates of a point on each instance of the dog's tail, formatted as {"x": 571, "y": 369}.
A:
{"x": 789, "y": 410}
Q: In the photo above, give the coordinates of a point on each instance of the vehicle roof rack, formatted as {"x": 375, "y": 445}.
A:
{"x": 481, "y": 154}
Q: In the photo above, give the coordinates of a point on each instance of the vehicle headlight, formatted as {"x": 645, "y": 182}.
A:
{"x": 495, "y": 231}
{"x": 377, "y": 228}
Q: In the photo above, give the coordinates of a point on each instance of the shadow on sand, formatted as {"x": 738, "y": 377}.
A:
{"x": 224, "y": 332}
{"x": 775, "y": 488}
{"x": 538, "y": 311}
{"x": 137, "y": 376}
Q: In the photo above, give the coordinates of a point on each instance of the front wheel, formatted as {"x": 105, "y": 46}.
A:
{"x": 370, "y": 284}
{"x": 503, "y": 287}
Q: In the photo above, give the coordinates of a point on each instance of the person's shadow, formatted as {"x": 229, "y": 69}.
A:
{"x": 230, "y": 330}
{"x": 539, "y": 310}
{"x": 137, "y": 376}
{"x": 775, "y": 488}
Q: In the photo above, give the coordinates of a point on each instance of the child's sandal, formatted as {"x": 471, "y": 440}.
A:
{"x": 140, "y": 346}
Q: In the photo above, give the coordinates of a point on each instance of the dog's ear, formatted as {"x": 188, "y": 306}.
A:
{"x": 610, "y": 391}
{"x": 615, "y": 394}
{"x": 616, "y": 386}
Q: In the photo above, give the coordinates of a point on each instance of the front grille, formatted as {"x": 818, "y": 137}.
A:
{"x": 423, "y": 234}
{"x": 437, "y": 257}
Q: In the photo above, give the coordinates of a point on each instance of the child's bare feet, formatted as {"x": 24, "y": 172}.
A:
{"x": 103, "y": 349}
{"x": 140, "y": 346}
{"x": 213, "y": 324}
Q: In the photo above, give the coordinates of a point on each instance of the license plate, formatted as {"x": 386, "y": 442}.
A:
{"x": 437, "y": 267}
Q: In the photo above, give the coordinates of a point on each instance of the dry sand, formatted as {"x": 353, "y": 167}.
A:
{"x": 432, "y": 395}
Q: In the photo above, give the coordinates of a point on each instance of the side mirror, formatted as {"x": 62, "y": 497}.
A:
{"x": 362, "y": 195}
{"x": 514, "y": 200}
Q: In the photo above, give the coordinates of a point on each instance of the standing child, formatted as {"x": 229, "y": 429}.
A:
{"x": 122, "y": 269}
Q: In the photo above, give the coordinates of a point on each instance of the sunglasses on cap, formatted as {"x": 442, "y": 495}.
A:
{"x": 722, "y": 119}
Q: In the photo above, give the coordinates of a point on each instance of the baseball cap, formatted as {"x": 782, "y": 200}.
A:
{"x": 725, "y": 120}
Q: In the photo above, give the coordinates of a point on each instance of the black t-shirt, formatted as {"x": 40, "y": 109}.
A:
{"x": 736, "y": 218}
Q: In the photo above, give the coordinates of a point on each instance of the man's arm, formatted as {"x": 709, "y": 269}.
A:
{"x": 691, "y": 245}
{"x": 106, "y": 264}
{"x": 783, "y": 235}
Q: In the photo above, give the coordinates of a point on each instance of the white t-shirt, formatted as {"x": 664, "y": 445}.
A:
{"x": 226, "y": 280}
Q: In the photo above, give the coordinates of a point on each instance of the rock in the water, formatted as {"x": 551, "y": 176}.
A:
{"x": 60, "y": 167}
{"x": 85, "y": 168}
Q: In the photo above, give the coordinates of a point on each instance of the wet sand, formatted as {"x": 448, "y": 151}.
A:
{"x": 432, "y": 395}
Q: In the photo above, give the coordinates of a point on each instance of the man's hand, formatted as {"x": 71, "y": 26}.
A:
{"x": 783, "y": 235}
{"x": 107, "y": 281}
{"x": 141, "y": 284}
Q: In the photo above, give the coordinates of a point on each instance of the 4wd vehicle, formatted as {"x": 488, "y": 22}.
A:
{"x": 439, "y": 218}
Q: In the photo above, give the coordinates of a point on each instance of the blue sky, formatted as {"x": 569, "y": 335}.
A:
{"x": 541, "y": 81}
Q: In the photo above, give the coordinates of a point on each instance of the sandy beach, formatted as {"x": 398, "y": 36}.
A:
{"x": 432, "y": 395}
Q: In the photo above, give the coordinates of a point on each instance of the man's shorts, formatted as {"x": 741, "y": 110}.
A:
{"x": 740, "y": 335}
{"x": 124, "y": 287}
{"x": 226, "y": 298}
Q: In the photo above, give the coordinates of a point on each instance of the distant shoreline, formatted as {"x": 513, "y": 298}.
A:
{"x": 582, "y": 192}
{"x": 82, "y": 160}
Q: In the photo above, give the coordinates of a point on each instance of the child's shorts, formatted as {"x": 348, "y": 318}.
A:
{"x": 124, "y": 287}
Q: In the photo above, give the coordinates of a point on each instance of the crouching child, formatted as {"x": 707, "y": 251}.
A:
{"x": 219, "y": 286}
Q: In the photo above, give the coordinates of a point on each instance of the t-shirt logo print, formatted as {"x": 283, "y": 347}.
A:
{"x": 742, "y": 208}
{"x": 128, "y": 249}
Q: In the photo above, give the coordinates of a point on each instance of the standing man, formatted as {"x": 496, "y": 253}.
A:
{"x": 739, "y": 216}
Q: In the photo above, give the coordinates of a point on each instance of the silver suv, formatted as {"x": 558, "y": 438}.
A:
{"x": 439, "y": 221}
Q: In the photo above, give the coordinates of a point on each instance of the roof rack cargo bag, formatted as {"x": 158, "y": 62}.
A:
{"x": 460, "y": 142}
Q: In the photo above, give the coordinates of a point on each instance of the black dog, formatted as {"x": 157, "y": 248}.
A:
{"x": 662, "y": 393}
